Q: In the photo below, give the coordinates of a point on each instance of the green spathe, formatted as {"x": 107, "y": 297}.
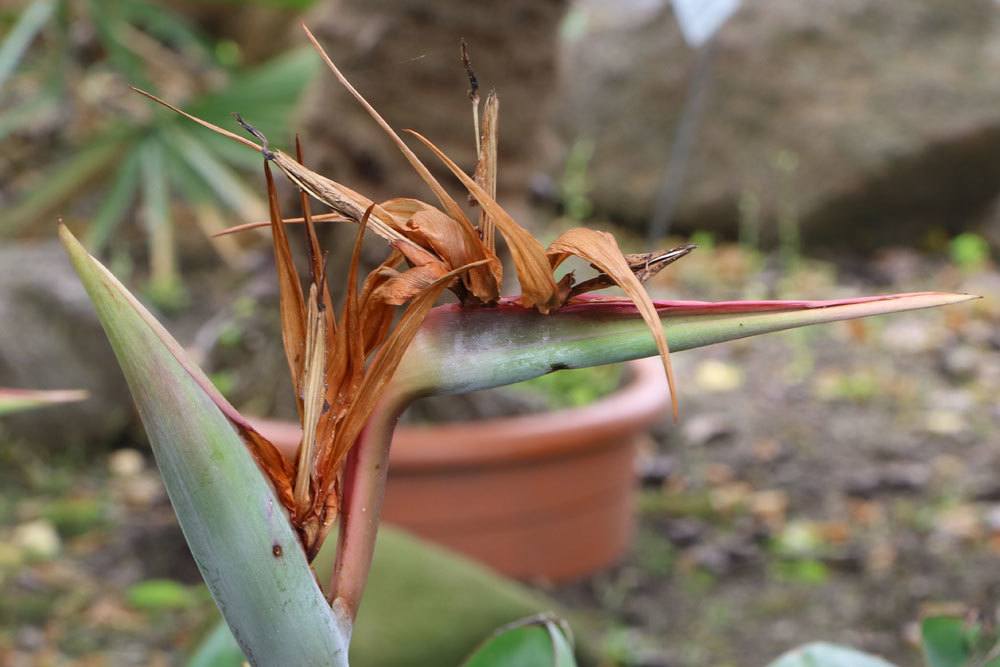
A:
{"x": 467, "y": 349}
{"x": 236, "y": 529}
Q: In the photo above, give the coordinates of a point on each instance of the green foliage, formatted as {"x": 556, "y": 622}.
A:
{"x": 539, "y": 641}
{"x": 18, "y": 400}
{"x": 75, "y": 516}
{"x": 952, "y": 642}
{"x": 946, "y": 641}
{"x": 573, "y": 388}
{"x": 969, "y": 251}
{"x": 244, "y": 546}
{"x": 423, "y": 606}
{"x": 575, "y": 186}
{"x": 150, "y": 164}
{"x": 157, "y": 595}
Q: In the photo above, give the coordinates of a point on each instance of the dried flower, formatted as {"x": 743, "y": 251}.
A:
{"x": 340, "y": 365}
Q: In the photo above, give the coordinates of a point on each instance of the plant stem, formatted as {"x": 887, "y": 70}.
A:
{"x": 365, "y": 475}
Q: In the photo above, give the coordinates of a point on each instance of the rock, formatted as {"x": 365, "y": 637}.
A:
{"x": 52, "y": 340}
{"x": 992, "y": 518}
{"x": 770, "y": 506}
{"x": 685, "y": 532}
{"x": 909, "y": 334}
{"x": 900, "y": 478}
{"x": 861, "y": 120}
{"x": 404, "y": 57}
{"x": 126, "y": 463}
{"x": 707, "y": 429}
{"x": 905, "y": 477}
{"x": 961, "y": 362}
{"x": 653, "y": 471}
{"x": 945, "y": 422}
{"x": 142, "y": 490}
{"x": 961, "y": 522}
{"x": 37, "y": 539}
{"x": 29, "y": 638}
{"x": 717, "y": 376}
{"x": 862, "y": 484}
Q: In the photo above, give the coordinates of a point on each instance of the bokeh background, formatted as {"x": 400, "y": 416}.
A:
{"x": 834, "y": 483}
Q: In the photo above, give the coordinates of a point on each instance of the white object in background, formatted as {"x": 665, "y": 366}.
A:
{"x": 700, "y": 19}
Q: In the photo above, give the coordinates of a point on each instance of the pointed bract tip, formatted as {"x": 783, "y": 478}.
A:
{"x": 71, "y": 243}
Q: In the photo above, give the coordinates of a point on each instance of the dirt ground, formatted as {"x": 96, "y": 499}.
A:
{"x": 831, "y": 483}
{"x": 828, "y": 483}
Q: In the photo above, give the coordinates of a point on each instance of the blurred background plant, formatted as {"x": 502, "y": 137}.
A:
{"x": 65, "y": 68}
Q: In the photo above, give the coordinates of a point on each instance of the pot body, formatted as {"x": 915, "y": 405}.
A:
{"x": 542, "y": 497}
{"x": 546, "y": 496}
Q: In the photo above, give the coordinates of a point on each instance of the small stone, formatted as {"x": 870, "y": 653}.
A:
{"x": 770, "y": 506}
{"x": 142, "y": 490}
{"x": 992, "y": 518}
{"x": 716, "y": 376}
{"x": 713, "y": 559}
{"x": 729, "y": 497}
{"x": 866, "y": 512}
{"x": 862, "y": 484}
{"x": 37, "y": 539}
{"x": 685, "y": 532}
{"x": 961, "y": 363}
{"x": 654, "y": 470}
{"x": 881, "y": 558}
{"x": 908, "y": 335}
{"x": 960, "y": 522}
{"x": 29, "y": 638}
{"x": 767, "y": 450}
{"x": 905, "y": 477}
{"x": 126, "y": 463}
{"x": 986, "y": 489}
{"x": 707, "y": 429}
{"x": 718, "y": 474}
{"x": 944, "y": 422}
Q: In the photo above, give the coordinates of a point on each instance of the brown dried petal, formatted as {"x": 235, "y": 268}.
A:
{"x": 601, "y": 249}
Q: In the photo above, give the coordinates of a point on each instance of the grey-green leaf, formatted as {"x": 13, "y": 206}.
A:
{"x": 820, "y": 654}
{"x": 237, "y": 531}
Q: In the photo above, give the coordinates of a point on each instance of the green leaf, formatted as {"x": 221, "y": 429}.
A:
{"x": 227, "y": 185}
{"x": 16, "y": 400}
{"x": 156, "y": 595}
{"x": 461, "y": 350}
{"x": 539, "y": 641}
{"x": 424, "y": 605}
{"x": 234, "y": 525}
{"x": 21, "y": 35}
{"x": 115, "y": 203}
{"x": 949, "y": 641}
{"x": 62, "y": 181}
{"x": 943, "y": 641}
{"x": 820, "y": 654}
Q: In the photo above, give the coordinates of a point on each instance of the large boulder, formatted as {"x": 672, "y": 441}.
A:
{"x": 51, "y": 339}
{"x": 403, "y": 55}
{"x": 864, "y": 120}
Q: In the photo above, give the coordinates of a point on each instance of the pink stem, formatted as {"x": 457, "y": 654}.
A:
{"x": 365, "y": 475}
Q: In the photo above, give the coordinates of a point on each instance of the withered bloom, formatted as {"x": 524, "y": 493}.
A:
{"x": 340, "y": 365}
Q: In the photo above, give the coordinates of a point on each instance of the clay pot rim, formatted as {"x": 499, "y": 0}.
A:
{"x": 511, "y": 440}
{"x": 631, "y": 408}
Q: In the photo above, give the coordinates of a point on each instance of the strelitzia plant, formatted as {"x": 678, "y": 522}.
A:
{"x": 255, "y": 516}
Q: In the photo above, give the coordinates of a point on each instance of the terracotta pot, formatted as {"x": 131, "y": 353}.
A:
{"x": 546, "y": 496}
